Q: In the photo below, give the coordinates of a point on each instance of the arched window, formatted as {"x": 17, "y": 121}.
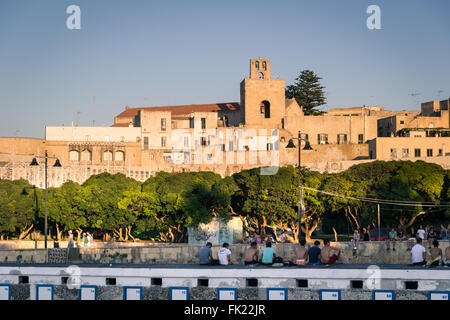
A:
{"x": 264, "y": 67}
{"x": 107, "y": 156}
{"x": 261, "y": 75}
{"x": 74, "y": 155}
{"x": 257, "y": 65}
{"x": 265, "y": 108}
{"x": 120, "y": 156}
{"x": 86, "y": 155}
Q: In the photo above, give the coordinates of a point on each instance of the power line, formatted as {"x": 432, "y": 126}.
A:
{"x": 380, "y": 201}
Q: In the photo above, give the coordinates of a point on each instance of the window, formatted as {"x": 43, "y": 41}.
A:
{"x": 257, "y": 65}
{"x": 393, "y": 153}
{"x": 145, "y": 143}
{"x": 429, "y": 152}
{"x": 269, "y": 146}
{"x": 282, "y": 123}
{"x": 305, "y": 136}
{"x": 223, "y": 147}
{"x": 265, "y": 108}
{"x": 163, "y": 141}
{"x": 74, "y": 155}
{"x": 163, "y": 124}
{"x": 417, "y": 153}
{"x": 120, "y": 156}
{"x": 322, "y": 138}
{"x": 186, "y": 142}
{"x": 405, "y": 153}
{"x": 203, "y": 123}
{"x": 209, "y": 156}
{"x": 360, "y": 138}
{"x": 107, "y": 156}
{"x": 341, "y": 138}
{"x": 402, "y": 122}
{"x": 440, "y": 152}
{"x": 230, "y": 146}
{"x": 203, "y": 141}
{"x": 261, "y": 75}
{"x": 264, "y": 66}
{"x": 191, "y": 122}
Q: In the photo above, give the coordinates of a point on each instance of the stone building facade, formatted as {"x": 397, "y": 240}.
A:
{"x": 221, "y": 137}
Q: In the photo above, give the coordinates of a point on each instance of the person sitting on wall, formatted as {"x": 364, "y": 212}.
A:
{"x": 225, "y": 255}
{"x": 205, "y": 255}
{"x": 329, "y": 254}
{"x": 268, "y": 254}
{"x": 418, "y": 253}
{"x": 314, "y": 254}
{"x": 302, "y": 254}
{"x": 447, "y": 257}
{"x": 436, "y": 255}
{"x": 251, "y": 254}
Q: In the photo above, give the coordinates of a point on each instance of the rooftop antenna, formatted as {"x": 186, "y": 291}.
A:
{"x": 76, "y": 122}
{"x": 414, "y": 95}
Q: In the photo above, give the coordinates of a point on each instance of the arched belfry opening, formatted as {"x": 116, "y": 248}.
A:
{"x": 265, "y": 108}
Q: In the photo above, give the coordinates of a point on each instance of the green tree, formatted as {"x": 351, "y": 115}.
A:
{"x": 308, "y": 92}
{"x": 17, "y": 208}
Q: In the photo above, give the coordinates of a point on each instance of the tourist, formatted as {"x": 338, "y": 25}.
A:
{"x": 84, "y": 241}
{"x": 90, "y": 239}
{"x": 356, "y": 239}
{"x": 329, "y": 254}
{"x": 392, "y": 238}
{"x": 447, "y": 257}
{"x": 225, "y": 255}
{"x": 436, "y": 255}
{"x": 251, "y": 254}
{"x": 301, "y": 254}
{"x": 314, "y": 254}
{"x": 443, "y": 232}
{"x": 421, "y": 233}
{"x": 204, "y": 255}
{"x": 418, "y": 253}
{"x": 412, "y": 238}
{"x": 366, "y": 235}
{"x": 70, "y": 240}
{"x": 430, "y": 236}
{"x": 400, "y": 234}
{"x": 268, "y": 254}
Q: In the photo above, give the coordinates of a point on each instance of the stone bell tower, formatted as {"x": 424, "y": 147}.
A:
{"x": 262, "y": 98}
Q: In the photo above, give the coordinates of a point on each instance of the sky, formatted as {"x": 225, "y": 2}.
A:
{"x": 154, "y": 53}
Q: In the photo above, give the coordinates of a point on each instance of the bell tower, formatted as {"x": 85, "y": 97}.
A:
{"x": 262, "y": 98}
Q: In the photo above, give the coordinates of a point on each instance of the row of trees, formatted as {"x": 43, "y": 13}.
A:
{"x": 164, "y": 206}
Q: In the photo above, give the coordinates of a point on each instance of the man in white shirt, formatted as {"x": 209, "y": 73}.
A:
{"x": 224, "y": 255}
{"x": 418, "y": 253}
{"x": 421, "y": 233}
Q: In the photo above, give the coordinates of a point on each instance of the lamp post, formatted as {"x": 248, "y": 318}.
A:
{"x": 57, "y": 165}
{"x": 301, "y": 207}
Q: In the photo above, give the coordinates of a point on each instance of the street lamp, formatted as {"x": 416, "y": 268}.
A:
{"x": 301, "y": 207}
{"x": 57, "y": 165}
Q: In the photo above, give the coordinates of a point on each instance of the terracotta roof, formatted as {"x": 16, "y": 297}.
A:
{"x": 184, "y": 109}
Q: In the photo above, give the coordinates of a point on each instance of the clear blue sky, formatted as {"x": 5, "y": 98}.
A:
{"x": 146, "y": 53}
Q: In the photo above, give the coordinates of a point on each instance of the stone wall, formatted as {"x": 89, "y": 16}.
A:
{"x": 368, "y": 253}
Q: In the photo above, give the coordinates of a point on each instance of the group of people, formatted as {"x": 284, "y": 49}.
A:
{"x": 312, "y": 256}
{"x": 437, "y": 257}
{"x": 87, "y": 240}
{"x": 429, "y": 233}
